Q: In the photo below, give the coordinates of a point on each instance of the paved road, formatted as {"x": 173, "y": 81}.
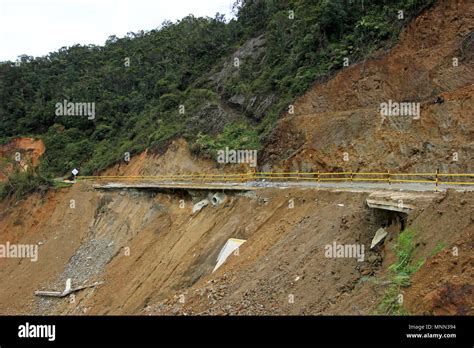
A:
{"x": 347, "y": 186}
{"x": 363, "y": 186}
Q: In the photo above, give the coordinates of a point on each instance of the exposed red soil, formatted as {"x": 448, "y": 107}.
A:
{"x": 342, "y": 116}
{"x": 30, "y": 152}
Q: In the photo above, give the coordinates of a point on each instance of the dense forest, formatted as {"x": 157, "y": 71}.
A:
{"x": 216, "y": 82}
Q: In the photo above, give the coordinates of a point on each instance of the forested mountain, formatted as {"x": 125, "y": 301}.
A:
{"x": 213, "y": 81}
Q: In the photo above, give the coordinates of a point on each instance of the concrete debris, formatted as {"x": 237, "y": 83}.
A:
{"x": 199, "y": 205}
{"x": 67, "y": 290}
{"x": 230, "y": 246}
{"x": 379, "y": 237}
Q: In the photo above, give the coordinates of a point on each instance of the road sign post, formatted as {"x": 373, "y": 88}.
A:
{"x": 75, "y": 172}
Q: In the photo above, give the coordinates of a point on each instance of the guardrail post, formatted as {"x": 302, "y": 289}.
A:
{"x": 318, "y": 176}
{"x": 437, "y": 179}
{"x": 297, "y": 176}
{"x": 351, "y": 176}
{"x": 388, "y": 173}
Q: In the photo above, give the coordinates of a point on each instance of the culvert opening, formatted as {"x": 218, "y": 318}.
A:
{"x": 218, "y": 198}
{"x": 390, "y": 219}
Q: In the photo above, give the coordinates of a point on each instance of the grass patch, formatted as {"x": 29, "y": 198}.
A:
{"x": 61, "y": 184}
{"x": 439, "y": 246}
{"x": 400, "y": 274}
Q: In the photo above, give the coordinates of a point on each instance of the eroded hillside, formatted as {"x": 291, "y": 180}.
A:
{"x": 154, "y": 256}
{"x": 338, "y": 125}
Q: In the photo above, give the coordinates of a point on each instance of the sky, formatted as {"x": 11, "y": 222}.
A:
{"x": 37, "y": 27}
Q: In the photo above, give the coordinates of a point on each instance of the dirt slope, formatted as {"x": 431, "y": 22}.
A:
{"x": 177, "y": 159}
{"x": 153, "y": 254}
{"x": 30, "y": 151}
{"x": 343, "y": 115}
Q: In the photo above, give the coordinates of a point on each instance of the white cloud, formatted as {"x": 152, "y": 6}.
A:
{"x": 37, "y": 27}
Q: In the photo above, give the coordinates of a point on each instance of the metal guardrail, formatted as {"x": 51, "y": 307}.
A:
{"x": 435, "y": 178}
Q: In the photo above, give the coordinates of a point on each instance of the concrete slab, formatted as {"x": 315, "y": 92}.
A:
{"x": 173, "y": 186}
{"x": 403, "y": 202}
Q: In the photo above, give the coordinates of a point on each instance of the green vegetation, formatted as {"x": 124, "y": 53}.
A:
{"x": 172, "y": 68}
{"x": 400, "y": 273}
{"x": 22, "y": 182}
{"x": 234, "y": 136}
{"x": 61, "y": 184}
{"x": 439, "y": 246}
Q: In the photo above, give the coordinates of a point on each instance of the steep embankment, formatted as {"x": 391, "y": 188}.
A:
{"x": 156, "y": 257}
{"x": 343, "y": 115}
{"x": 177, "y": 159}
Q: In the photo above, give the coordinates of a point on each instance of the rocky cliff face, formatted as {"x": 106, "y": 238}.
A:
{"x": 252, "y": 54}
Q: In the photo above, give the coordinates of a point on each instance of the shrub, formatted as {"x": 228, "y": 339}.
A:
{"x": 234, "y": 136}
{"x": 400, "y": 274}
{"x": 22, "y": 182}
